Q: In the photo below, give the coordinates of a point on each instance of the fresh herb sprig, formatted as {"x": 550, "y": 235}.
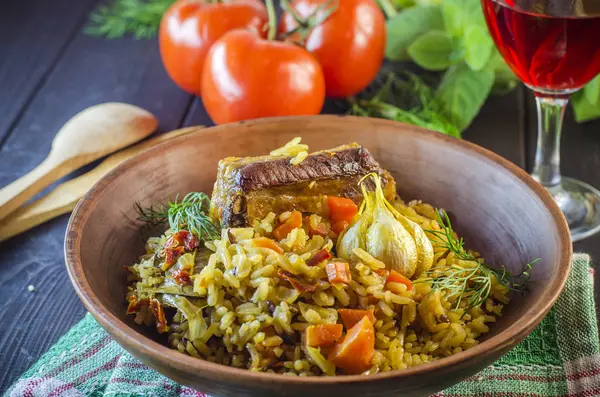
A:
{"x": 406, "y": 98}
{"x": 451, "y": 36}
{"x": 191, "y": 214}
{"x": 471, "y": 283}
{"x": 140, "y": 18}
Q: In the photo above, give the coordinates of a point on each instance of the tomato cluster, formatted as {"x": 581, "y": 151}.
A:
{"x": 226, "y": 52}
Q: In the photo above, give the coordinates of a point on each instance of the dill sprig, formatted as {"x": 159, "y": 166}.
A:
{"x": 473, "y": 284}
{"x": 189, "y": 214}
{"x": 140, "y": 18}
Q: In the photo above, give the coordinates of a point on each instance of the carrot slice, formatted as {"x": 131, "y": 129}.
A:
{"x": 341, "y": 209}
{"x": 338, "y": 272}
{"x": 323, "y": 334}
{"x": 352, "y": 316}
{"x": 292, "y": 222}
{"x": 396, "y": 277}
{"x": 353, "y": 353}
{"x": 264, "y": 242}
{"x": 339, "y": 226}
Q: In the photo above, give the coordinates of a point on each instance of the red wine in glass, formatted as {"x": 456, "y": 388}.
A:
{"x": 551, "y": 45}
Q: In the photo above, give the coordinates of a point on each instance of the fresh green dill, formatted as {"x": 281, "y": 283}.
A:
{"x": 191, "y": 214}
{"x": 408, "y": 100}
{"x": 118, "y": 18}
{"x": 473, "y": 284}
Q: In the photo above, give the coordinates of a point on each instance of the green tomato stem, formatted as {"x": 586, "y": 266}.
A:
{"x": 272, "y": 20}
{"x": 388, "y": 8}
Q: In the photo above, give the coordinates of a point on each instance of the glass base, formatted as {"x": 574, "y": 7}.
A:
{"x": 580, "y": 203}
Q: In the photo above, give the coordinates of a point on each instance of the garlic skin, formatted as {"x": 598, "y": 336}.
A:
{"x": 391, "y": 243}
{"x": 424, "y": 246}
{"x": 355, "y": 235}
{"x": 386, "y": 234}
{"x": 348, "y": 240}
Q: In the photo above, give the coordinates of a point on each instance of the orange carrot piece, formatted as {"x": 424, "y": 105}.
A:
{"x": 264, "y": 242}
{"x": 341, "y": 209}
{"x": 353, "y": 354}
{"x": 352, "y": 316}
{"x": 339, "y": 226}
{"x": 396, "y": 277}
{"x": 323, "y": 334}
{"x": 292, "y": 222}
{"x": 338, "y": 272}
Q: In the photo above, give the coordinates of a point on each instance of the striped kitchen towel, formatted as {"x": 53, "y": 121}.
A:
{"x": 560, "y": 358}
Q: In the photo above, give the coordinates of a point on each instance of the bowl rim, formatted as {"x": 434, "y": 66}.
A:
{"x": 144, "y": 346}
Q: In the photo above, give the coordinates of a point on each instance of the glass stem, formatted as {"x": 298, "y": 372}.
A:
{"x": 546, "y": 169}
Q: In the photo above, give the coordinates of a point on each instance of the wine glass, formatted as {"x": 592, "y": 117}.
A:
{"x": 553, "y": 46}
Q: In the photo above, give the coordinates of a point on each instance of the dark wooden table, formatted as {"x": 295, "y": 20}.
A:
{"x": 50, "y": 70}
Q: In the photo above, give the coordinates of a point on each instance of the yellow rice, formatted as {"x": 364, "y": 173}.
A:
{"x": 255, "y": 320}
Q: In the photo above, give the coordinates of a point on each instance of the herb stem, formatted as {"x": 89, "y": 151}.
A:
{"x": 191, "y": 214}
{"x": 473, "y": 284}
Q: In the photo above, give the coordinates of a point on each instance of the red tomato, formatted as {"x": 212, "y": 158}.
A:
{"x": 190, "y": 27}
{"x": 350, "y": 44}
{"x": 247, "y": 77}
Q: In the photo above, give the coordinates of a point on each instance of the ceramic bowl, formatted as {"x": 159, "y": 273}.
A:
{"x": 498, "y": 208}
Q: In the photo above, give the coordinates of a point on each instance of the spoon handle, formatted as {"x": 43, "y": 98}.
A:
{"x": 65, "y": 196}
{"x": 21, "y": 190}
{"x": 58, "y": 202}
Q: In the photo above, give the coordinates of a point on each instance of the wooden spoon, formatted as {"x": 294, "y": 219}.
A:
{"x": 64, "y": 198}
{"x": 88, "y": 136}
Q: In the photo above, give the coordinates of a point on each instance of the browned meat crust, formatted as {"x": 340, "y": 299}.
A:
{"x": 251, "y": 187}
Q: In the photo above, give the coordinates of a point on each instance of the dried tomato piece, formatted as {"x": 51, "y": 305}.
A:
{"x": 298, "y": 284}
{"x": 159, "y": 315}
{"x": 319, "y": 257}
{"x": 183, "y": 238}
{"x": 182, "y": 277}
{"x": 320, "y": 229}
{"x": 135, "y": 304}
{"x": 171, "y": 256}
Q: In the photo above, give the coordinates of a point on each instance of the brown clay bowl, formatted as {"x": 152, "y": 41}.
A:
{"x": 499, "y": 209}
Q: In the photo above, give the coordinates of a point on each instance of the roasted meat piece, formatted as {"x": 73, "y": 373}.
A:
{"x": 249, "y": 188}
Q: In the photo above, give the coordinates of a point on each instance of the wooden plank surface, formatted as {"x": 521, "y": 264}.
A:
{"x": 90, "y": 71}
{"x": 51, "y": 71}
{"x": 30, "y": 45}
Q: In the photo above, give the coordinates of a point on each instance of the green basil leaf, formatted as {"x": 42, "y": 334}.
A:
{"x": 460, "y": 14}
{"x": 463, "y": 91}
{"x": 409, "y": 24}
{"x": 583, "y": 109}
{"x": 478, "y": 47}
{"x": 432, "y": 50}
{"x": 592, "y": 91}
